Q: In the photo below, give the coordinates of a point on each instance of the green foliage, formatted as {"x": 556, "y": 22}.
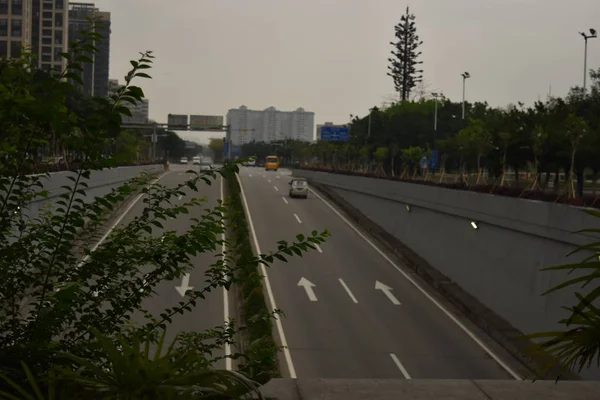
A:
{"x": 66, "y": 325}
{"x": 578, "y": 346}
{"x": 217, "y": 146}
{"x": 514, "y": 137}
{"x": 132, "y": 369}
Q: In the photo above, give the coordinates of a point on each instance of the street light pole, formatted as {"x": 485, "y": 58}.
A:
{"x": 465, "y": 75}
{"x": 435, "y": 114}
{"x": 228, "y": 138}
{"x": 592, "y": 35}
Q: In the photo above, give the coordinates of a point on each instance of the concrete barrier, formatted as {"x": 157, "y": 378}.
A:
{"x": 426, "y": 389}
{"x": 100, "y": 184}
{"x": 498, "y": 263}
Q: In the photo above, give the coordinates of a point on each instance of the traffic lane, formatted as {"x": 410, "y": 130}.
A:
{"x": 424, "y": 339}
{"x": 209, "y": 312}
{"x": 326, "y": 337}
{"x": 431, "y": 345}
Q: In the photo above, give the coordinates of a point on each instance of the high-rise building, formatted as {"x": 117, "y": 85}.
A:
{"x": 95, "y": 76}
{"x": 140, "y": 113}
{"x": 49, "y": 32}
{"x": 15, "y": 27}
{"x": 270, "y": 125}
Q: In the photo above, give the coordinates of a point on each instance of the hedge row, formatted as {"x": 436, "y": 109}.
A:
{"x": 551, "y": 197}
{"x": 259, "y": 346}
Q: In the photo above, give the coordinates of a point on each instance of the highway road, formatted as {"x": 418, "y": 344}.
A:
{"x": 213, "y": 310}
{"x": 350, "y": 310}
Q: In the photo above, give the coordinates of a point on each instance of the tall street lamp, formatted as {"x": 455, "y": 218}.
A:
{"x": 465, "y": 75}
{"x": 435, "y": 95}
{"x": 592, "y": 35}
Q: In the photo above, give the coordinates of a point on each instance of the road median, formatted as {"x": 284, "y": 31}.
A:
{"x": 256, "y": 341}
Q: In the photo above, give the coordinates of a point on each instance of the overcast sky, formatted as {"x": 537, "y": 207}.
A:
{"x": 330, "y": 56}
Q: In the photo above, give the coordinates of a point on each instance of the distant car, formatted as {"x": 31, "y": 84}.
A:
{"x": 204, "y": 166}
{"x": 183, "y": 160}
{"x": 196, "y": 160}
{"x": 299, "y": 188}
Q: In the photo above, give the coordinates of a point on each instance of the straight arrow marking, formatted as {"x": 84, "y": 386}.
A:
{"x": 308, "y": 287}
{"x": 387, "y": 291}
{"x": 185, "y": 285}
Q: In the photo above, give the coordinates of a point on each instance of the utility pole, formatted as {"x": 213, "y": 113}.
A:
{"x": 154, "y": 140}
{"x": 229, "y": 144}
{"x": 592, "y": 35}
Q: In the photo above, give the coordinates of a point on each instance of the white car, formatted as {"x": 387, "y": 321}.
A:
{"x": 183, "y": 160}
{"x": 299, "y": 188}
{"x": 196, "y": 160}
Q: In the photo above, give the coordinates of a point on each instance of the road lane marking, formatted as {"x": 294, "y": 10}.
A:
{"x": 118, "y": 221}
{"x": 269, "y": 180}
{"x": 297, "y": 218}
{"x": 286, "y": 351}
{"x": 318, "y": 248}
{"x": 180, "y": 196}
{"x": 185, "y": 285}
{"x": 228, "y": 361}
{"x": 387, "y": 291}
{"x": 400, "y": 366}
{"x": 250, "y": 175}
{"x": 348, "y": 290}
{"x": 284, "y": 200}
{"x": 276, "y": 188}
{"x": 308, "y": 287}
{"x": 277, "y": 177}
{"x": 462, "y": 326}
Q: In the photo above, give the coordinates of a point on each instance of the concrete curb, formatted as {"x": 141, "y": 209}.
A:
{"x": 508, "y": 337}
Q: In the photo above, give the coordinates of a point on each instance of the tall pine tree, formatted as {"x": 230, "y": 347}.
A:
{"x": 403, "y": 63}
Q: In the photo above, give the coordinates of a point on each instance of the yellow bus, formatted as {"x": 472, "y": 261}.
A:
{"x": 272, "y": 163}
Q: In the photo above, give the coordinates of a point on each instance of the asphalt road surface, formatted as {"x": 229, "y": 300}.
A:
{"x": 213, "y": 310}
{"x": 350, "y": 311}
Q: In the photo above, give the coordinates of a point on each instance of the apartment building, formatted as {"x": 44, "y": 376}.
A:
{"x": 270, "y": 125}
{"x": 95, "y": 76}
{"x": 15, "y": 27}
{"x": 49, "y": 32}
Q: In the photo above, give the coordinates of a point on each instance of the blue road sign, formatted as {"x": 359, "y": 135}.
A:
{"x": 423, "y": 162}
{"x": 335, "y": 133}
{"x": 226, "y": 149}
{"x": 434, "y": 162}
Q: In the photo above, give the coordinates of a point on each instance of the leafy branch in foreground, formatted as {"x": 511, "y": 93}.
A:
{"x": 72, "y": 319}
{"x": 578, "y": 346}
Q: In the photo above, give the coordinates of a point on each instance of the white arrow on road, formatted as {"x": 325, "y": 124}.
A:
{"x": 387, "y": 291}
{"x": 185, "y": 285}
{"x": 308, "y": 286}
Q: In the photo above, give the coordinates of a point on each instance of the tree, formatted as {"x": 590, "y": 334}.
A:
{"x": 403, "y": 63}
{"x": 575, "y": 129}
{"x": 217, "y": 146}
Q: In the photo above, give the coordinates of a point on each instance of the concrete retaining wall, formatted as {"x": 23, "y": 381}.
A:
{"x": 499, "y": 263}
{"x": 99, "y": 184}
